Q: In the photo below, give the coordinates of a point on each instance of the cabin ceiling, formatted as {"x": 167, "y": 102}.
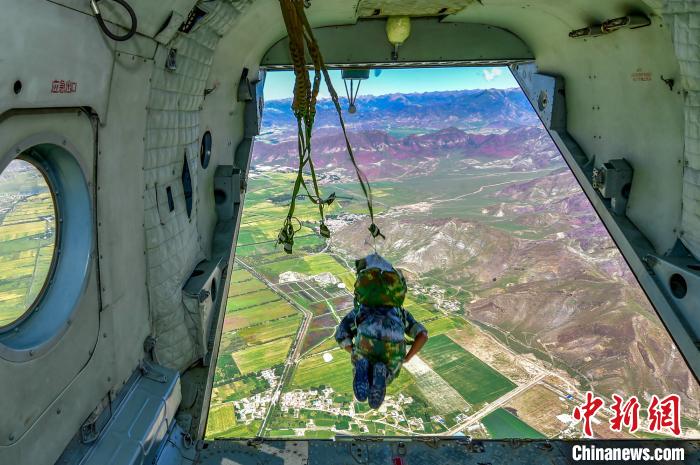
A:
{"x": 156, "y": 16}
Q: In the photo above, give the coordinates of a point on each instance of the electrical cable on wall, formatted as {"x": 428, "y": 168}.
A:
{"x": 105, "y": 29}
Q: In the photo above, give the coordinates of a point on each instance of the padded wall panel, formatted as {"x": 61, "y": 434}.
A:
{"x": 684, "y": 18}
{"x": 173, "y": 243}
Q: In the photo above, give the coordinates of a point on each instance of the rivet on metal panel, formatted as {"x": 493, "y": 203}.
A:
{"x": 401, "y": 449}
{"x": 546, "y": 446}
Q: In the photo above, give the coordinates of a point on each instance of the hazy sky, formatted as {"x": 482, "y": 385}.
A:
{"x": 279, "y": 84}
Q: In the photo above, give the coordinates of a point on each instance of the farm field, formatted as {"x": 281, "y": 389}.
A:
{"x": 220, "y": 419}
{"x": 539, "y": 406}
{"x": 258, "y": 314}
{"x": 27, "y": 236}
{"x": 442, "y": 397}
{"x": 502, "y": 424}
{"x": 251, "y": 299}
{"x": 262, "y": 356}
{"x": 269, "y": 331}
{"x": 314, "y": 372}
{"x": 473, "y": 379}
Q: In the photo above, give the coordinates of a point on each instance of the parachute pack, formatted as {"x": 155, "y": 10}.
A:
{"x": 378, "y": 283}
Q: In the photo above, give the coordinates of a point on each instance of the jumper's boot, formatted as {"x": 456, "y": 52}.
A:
{"x": 360, "y": 383}
{"x": 378, "y": 389}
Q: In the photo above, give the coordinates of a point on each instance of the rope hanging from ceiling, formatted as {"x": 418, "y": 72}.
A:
{"x": 301, "y": 40}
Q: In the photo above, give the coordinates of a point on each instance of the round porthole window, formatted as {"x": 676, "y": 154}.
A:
{"x": 46, "y": 242}
{"x": 28, "y": 238}
{"x": 205, "y": 150}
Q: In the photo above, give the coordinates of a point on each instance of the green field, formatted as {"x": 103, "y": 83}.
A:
{"x": 327, "y": 344}
{"x": 226, "y": 367}
{"x": 440, "y": 325}
{"x": 270, "y": 331}
{"x": 501, "y": 424}
{"x": 251, "y": 299}
{"x": 239, "y": 430}
{"x": 245, "y": 287}
{"x": 241, "y": 388}
{"x": 306, "y": 264}
{"x": 220, "y": 419}
{"x": 262, "y": 356}
{"x": 258, "y": 314}
{"x": 473, "y": 379}
{"x": 240, "y": 275}
{"x": 420, "y": 312}
{"x": 27, "y": 235}
{"x": 314, "y": 372}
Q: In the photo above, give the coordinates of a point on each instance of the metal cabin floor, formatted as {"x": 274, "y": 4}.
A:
{"x": 405, "y": 451}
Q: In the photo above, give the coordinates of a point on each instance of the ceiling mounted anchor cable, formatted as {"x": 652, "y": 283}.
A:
{"x": 354, "y": 77}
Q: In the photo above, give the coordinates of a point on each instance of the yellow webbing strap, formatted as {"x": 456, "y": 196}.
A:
{"x": 301, "y": 38}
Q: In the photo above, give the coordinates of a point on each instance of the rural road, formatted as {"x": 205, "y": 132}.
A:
{"x": 295, "y": 349}
{"x": 494, "y": 405}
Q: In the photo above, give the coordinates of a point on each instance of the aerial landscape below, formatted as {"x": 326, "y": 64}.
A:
{"x": 528, "y": 302}
{"x": 27, "y": 238}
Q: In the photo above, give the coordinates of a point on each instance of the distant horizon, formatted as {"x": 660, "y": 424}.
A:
{"x": 279, "y": 85}
{"x": 360, "y": 97}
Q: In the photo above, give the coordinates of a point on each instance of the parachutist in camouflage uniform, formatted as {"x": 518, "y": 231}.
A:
{"x": 373, "y": 332}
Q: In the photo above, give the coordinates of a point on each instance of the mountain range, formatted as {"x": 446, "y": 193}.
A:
{"x": 568, "y": 293}
{"x": 482, "y": 108}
